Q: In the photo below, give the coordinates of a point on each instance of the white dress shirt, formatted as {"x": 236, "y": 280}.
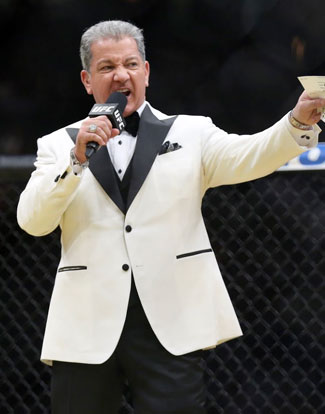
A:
{"x": 121, "y": 148}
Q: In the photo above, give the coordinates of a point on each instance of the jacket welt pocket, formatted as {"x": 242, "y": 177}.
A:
{"x": 181, "y": 256}
{"x": 71, "y": 268}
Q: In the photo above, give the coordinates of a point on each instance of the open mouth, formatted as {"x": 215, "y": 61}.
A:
{"x": 125, "y": 92}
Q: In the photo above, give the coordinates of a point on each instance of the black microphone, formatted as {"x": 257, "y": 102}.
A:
{"x": 113, "y": 108}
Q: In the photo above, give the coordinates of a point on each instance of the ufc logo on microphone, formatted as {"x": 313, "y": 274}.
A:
{"x": 119, "y": 119}
{"x": 102, "y": 109}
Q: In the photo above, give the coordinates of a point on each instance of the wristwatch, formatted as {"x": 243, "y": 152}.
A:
{"x": 76, "y": 162}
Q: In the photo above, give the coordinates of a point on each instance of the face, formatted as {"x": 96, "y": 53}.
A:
{"x": 117, "y": 66}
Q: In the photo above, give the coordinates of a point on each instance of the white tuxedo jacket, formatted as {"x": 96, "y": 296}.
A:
{"x": 167, "y": 249}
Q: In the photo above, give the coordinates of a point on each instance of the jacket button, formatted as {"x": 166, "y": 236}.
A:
{"x": 128, "y": 228}
{"x": 125, "y": 267}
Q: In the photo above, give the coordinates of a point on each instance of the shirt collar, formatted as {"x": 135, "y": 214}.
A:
{"x": 141, "y": 108}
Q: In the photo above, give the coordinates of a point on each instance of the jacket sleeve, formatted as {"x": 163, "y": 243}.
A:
{"x": 231, "y": 158}
{"x": 50, "y": 188}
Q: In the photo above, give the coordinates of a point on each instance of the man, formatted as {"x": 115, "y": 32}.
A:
{"x": 138, "y": 292}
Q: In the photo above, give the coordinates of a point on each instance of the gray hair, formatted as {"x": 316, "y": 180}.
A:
{"x": 111, "y": 29}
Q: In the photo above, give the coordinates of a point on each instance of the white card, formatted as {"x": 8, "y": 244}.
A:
{"x": 315, "y": 87}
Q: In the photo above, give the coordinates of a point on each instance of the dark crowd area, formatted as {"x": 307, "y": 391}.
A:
{"x": 235, "y": 61}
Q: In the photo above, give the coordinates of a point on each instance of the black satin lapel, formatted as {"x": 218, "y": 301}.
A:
{"x": 101, "y": 166}
{"x": 151, "y": 135}
{"x": 73, "y": 132}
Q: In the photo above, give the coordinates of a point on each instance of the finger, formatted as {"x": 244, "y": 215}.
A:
{"x": 115, "y": 132}
{"x": 310, "y": 105}
{"x": 84, "y": 135}
{"x": 97, "y": 137}
{"x": 104, "y": 127}
{"x": 105, "y": 124}
{"x": 316, "y": 117}
{"x": 84, "y": 138}
{"x": 305, "y": 96}
{"x": 102, "y": 132}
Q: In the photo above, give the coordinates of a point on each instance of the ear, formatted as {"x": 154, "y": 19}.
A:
{"x": 85, "y": 79}
{"x": 147, "y": 72}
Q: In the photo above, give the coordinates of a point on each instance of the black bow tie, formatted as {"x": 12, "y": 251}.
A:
{"x": 132, "y": 123}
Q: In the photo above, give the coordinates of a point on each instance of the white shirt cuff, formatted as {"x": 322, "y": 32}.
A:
{"x": 307, "y": 139}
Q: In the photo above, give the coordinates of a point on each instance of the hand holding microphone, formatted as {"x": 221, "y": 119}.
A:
{"x": 105, "y": 122}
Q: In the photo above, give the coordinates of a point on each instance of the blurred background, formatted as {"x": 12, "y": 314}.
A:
{"x": 236, "y": 61}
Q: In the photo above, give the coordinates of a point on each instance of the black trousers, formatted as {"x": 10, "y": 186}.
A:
{"x": 159, "y": 382}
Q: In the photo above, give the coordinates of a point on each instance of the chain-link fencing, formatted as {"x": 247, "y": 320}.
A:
{"x": 269, "y": 239}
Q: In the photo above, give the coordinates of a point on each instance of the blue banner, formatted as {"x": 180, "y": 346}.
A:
{"x": 314, "y": 159}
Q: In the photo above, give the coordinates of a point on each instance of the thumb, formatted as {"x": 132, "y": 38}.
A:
{"x": 115, "y": 132}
